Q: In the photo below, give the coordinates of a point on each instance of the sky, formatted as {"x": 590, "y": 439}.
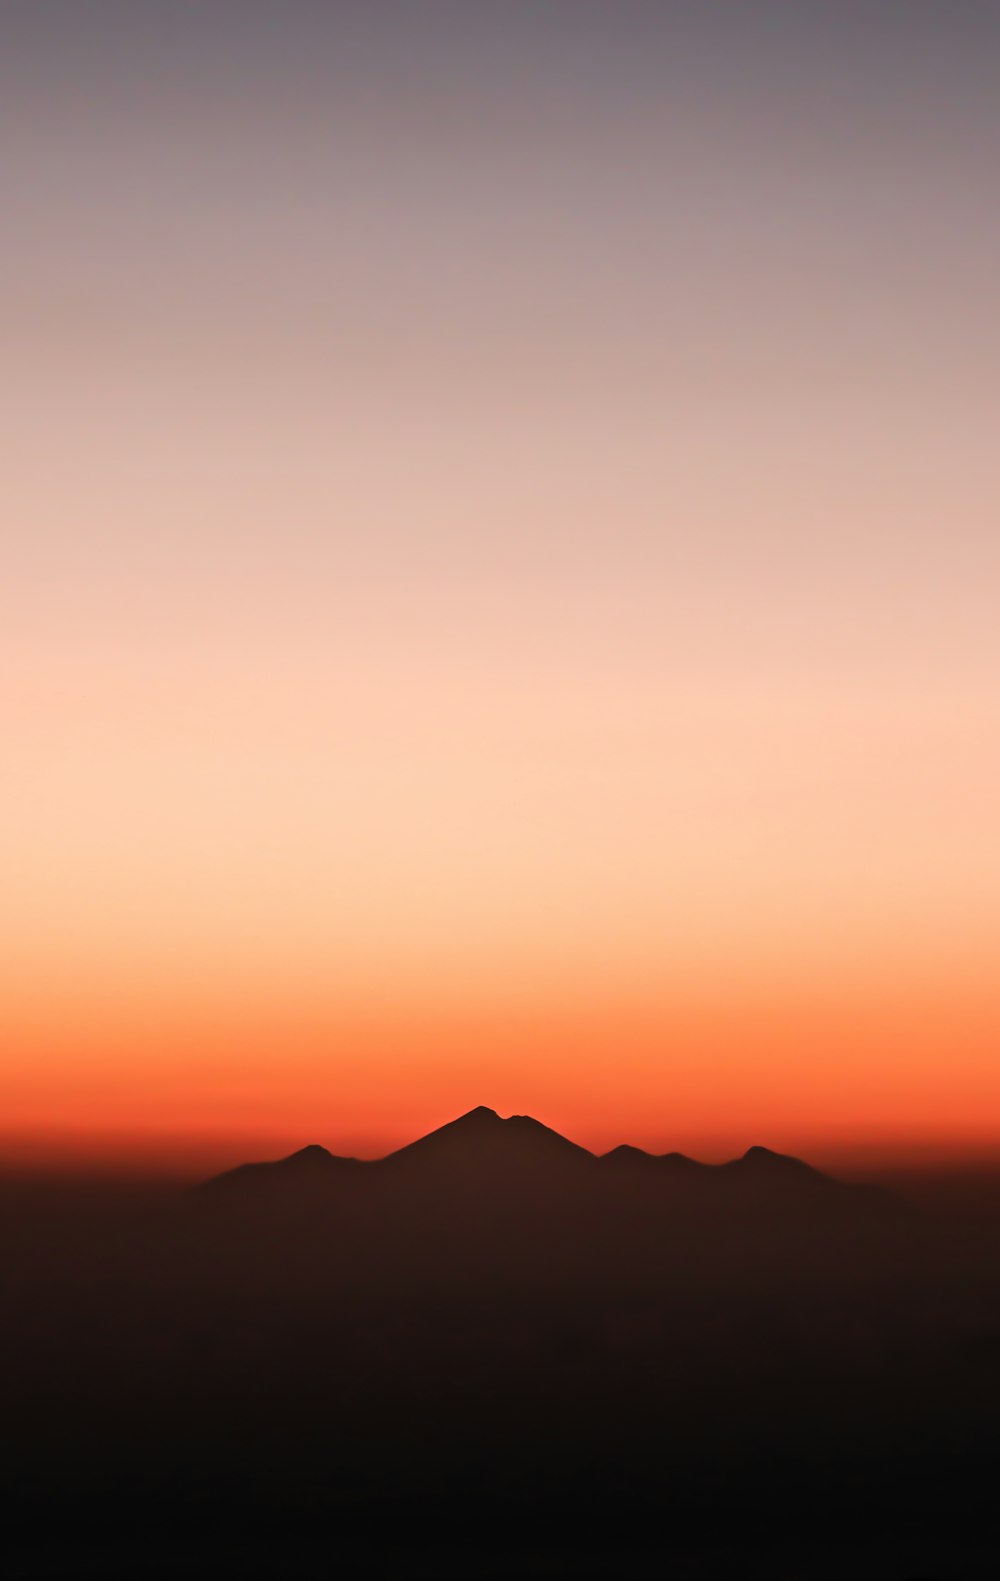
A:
{"x": 500, "y": 568}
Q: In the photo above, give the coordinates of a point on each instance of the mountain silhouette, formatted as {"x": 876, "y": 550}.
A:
{"x": 516, "y": 1164}
{"x": 482, "y": 1139}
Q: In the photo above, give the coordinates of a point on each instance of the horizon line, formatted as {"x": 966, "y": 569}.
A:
{"x": 174, "y": 1155}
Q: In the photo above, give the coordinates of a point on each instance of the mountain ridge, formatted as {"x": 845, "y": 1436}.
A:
{"x": 481, "y": 1137}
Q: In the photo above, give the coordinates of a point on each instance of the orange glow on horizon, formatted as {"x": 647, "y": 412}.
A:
{"x": 806, "y": 1073}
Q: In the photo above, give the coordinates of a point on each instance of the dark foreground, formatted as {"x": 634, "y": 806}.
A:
{"x": 494, "y": 1354}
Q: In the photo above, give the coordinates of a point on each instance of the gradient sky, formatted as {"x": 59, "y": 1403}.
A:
{"x": 500, "y": 575}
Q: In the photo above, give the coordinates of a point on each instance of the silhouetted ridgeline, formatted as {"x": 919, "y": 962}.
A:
{"x": 494, "y": 1338}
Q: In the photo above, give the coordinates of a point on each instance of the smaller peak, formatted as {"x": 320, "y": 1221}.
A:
{"x": 313, "y": 1151}
{"x": 766, "y": 1157}
{"x": 626, "y": 1153}
{"x": 628, "y": 1160}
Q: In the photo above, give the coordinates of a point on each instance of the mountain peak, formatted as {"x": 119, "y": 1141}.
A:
{"x": 763, "y": 1160}
{"x": 626, "y": 1155}
{"x": 313, "y": 1164}
{"x": 767, "y": 1155}
{"x": 483, "y": 1136}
